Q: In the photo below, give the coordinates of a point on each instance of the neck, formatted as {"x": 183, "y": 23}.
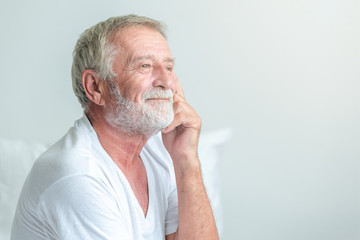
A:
{"x": 123, "y": 148}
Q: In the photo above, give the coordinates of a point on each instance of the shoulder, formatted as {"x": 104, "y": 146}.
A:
{"x": 72, "y": 155}
{"x": 66, "y": 157}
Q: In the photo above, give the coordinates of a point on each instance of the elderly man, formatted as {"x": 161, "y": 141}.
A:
{"x": 129, "y": 168}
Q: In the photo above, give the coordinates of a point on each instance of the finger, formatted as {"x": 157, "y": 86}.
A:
{"x": 180, "y": 111}
{"x": 177, "y": 99}
{"x": 184, "y": 115}
{"x": 178, "y": 87}
{"x": 174, "y": 124}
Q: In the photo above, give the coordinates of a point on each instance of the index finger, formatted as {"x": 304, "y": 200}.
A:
{"x": 178, "y": 87}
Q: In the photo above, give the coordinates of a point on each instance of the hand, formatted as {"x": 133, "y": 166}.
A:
{"x": 182, "y": 135}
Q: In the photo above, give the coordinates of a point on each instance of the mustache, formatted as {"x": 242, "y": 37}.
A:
{"x": 157, "y": 93}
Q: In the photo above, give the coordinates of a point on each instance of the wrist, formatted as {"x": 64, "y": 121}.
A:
{"x": 187, "y": 166}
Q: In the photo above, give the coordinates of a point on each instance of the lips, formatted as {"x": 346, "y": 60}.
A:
{"x": 158, "y": 99}
{"x": 158, "y": 96}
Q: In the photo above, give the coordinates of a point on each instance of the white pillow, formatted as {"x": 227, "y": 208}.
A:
{"x": 17, "y": 158}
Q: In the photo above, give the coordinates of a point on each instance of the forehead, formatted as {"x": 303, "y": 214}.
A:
{"x": 139, "y": 37}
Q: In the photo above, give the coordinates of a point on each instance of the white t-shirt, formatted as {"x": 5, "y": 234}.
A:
{"x": 76, "y": 191}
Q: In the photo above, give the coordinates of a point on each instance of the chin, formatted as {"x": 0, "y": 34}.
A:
{"x": 148, "y": 121}
{"x": 156, "y": 125}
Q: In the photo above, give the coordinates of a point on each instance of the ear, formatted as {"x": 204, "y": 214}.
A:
{"x": 93, "y": 86}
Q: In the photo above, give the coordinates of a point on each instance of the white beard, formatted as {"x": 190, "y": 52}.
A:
{"x": 134, "y": 120}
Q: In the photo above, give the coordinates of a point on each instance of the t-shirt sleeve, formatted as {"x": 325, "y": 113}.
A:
{"x": 171, "y": 223}
{"x": 81, "y": 207}
{"x": 172, "y": 218}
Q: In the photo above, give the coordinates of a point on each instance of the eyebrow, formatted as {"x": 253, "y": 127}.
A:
{"x": 140, "y": 58}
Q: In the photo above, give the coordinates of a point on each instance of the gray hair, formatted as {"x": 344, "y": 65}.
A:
{"x": 95, "y": 50}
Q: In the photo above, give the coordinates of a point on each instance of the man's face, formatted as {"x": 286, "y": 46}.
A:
{"x": 141, "y": 94}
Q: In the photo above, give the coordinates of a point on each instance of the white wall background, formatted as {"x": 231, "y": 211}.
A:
{"x": 284, "y": 74}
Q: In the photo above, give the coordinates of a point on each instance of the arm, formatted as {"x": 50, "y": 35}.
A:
{"x": 196, "y": 220}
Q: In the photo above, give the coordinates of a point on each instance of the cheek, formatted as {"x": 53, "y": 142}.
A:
{"x": 134, "y": 86}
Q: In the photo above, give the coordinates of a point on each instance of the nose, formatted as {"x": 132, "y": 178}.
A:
{"x": 164, "y": 78}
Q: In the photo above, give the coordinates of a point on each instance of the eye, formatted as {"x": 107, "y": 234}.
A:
{"x": 169, "y": 68}
{"x": 145, "y": 65}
